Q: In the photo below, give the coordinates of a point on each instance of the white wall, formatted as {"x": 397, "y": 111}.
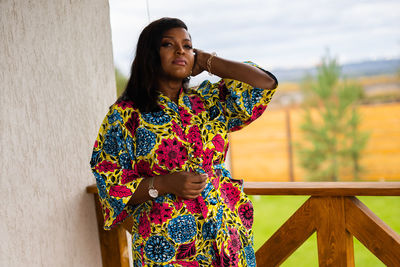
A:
{"x": 56, "y": 81}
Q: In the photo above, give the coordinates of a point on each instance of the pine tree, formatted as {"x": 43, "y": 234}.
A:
{"x": 330, "y": 127}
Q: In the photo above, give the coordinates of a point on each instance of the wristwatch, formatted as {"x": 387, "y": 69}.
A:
{"x": 152, "y": 191}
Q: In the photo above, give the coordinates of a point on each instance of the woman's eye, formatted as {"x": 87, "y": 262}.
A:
{"x": 166, "y": 44}
{"x": 188, "y": 46}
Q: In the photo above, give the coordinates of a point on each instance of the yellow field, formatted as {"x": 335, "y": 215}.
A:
{"x": 260, "y": 151}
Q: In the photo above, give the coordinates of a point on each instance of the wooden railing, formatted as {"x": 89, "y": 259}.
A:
{"x": 332, "y": 210}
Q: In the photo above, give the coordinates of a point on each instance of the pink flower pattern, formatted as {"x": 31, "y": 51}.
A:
{"x": 197, "y": 104}
{"x": 122, "y": 216}
{"x": 171, "y": 153}
{"x": 218, "y": 142}
{"x": 160, "y": 213}
{"x": 194, "y": 137}
{"x": 128, "y": 176}
{"x": 185, "y": 116}
{"x": 142, "y": 168}
{"x": 124, "y": 104}
{"x": 192, "y": 206}
{"x": 230, "y": 194}
{"x": 120, "y": 191}
{"x": 144, "y": 226}
{"x": 246, "y": 214}
{"x": 207, "y": 158}
{"x": 106, "y": 166}
{"x": 132, "y": 123}
{"x": 215, "y": 183}
{"x": 257, "y": 112}
{"x": 234, "y": 244}
{"x": 178, "y": 130}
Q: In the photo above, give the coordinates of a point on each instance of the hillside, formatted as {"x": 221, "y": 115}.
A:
{"x": 365, "y": 68}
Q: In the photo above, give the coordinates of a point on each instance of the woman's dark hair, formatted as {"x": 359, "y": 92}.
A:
{"x": 146, "y": 67}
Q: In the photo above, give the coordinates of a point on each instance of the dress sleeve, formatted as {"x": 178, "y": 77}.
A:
{"x": 241, "y": 103}
{"x": 112, "y": 165}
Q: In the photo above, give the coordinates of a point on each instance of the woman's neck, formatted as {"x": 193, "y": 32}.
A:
{"x": 170, "y": 88}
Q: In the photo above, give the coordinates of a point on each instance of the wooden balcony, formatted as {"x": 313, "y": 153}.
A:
{"x": 333, "y": 211}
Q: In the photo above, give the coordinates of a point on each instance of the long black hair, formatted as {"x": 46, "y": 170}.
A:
{"x": 146, "y": 67}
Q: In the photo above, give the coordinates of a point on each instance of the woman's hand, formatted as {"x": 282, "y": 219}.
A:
{"x": 187, "y": 185}
{"x": 200, "y": 62}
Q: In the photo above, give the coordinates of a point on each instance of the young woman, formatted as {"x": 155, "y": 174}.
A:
{"x": 160, "y": 153}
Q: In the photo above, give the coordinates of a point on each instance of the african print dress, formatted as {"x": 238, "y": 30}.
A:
{"x": 215, "y": 229}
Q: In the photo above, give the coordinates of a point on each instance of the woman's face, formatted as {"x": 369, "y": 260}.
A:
{"x": 176, "y": 53}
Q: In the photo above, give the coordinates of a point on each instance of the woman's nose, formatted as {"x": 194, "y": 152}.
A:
{"x": 180, "y": 50}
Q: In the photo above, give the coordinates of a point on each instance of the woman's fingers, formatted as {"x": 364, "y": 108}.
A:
{"x": 187, "y": 184}
{"x": 195, "y": 185}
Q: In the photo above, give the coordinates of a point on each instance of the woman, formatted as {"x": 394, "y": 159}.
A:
{"x": 160, "y": 152}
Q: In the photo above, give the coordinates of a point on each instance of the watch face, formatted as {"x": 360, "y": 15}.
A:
{"x": 153, "y": 193}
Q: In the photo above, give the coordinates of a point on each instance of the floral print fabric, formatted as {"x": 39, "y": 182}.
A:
{"x": 215, "y": 228}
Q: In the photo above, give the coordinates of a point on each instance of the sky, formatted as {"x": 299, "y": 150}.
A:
{"x": 273, "y": 33}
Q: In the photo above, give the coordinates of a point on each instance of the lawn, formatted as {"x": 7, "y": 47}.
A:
{"x": 272, "y": 211}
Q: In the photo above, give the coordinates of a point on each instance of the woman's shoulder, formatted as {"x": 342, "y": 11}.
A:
{"x": 123, "y": 107}
{"x": 122, "y": 111}
{"x": 206, "y": 89}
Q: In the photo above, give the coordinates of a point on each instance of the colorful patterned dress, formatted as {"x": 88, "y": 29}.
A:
{"x": 214, "y": 229}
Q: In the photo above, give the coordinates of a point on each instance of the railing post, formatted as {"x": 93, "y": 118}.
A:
{"x": 113, "y": 243}
{"x": 335, "y": 243}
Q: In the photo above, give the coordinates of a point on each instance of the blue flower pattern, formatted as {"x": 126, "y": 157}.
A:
{"x": 214, "y": 112}
{"x": 207, "y": 190}
{"x": 115, "y": 116}
{"x": 157, "y": 117}
{"x": 95, "y": 158}
{"x": 113, "y": 142}
{"x": 101, "y": 185}
{"x": 256, "y": 95}
{"x": 250, "y": 256}
{"x": 145, "y": 141}
{"x": 117, "y": 205}
{"x": 173, "y": 106}
{"x": 158, "y": 249}
{"x": 186, "y": 101}
{"x": 247, "y": 101}
{"x": 130, "y": 148}
{"x": 234, "y": 123}
{"x": 125, "y": 161}
{"x": 182, "y": 228}
{"x": 210, "y": 229}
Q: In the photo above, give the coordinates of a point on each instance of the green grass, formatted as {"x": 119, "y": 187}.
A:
{"x": 272, "y": 211}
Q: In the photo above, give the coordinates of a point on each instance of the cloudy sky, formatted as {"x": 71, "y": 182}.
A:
{"x": 272, "y": 33}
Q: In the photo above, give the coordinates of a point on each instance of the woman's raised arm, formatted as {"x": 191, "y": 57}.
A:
{"x": 232, "y": 70}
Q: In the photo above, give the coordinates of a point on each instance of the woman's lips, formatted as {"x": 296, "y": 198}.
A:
{"x": 180, "y": 62}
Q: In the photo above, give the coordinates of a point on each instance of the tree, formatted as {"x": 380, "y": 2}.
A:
{"x": 121, "y": 82}
{"x": 332, "y": 139}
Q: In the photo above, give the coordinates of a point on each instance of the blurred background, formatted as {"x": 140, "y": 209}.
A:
{"x": 350, "y": 132}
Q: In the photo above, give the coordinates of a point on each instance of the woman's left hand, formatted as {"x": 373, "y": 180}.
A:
{"x": 200, "y": 61}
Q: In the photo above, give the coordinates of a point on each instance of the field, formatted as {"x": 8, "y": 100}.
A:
{"x": 272, "y": 211}
{"x": 259, "y": 152}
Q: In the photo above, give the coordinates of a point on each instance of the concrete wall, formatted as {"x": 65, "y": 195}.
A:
{"x": 56, "y": 81}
